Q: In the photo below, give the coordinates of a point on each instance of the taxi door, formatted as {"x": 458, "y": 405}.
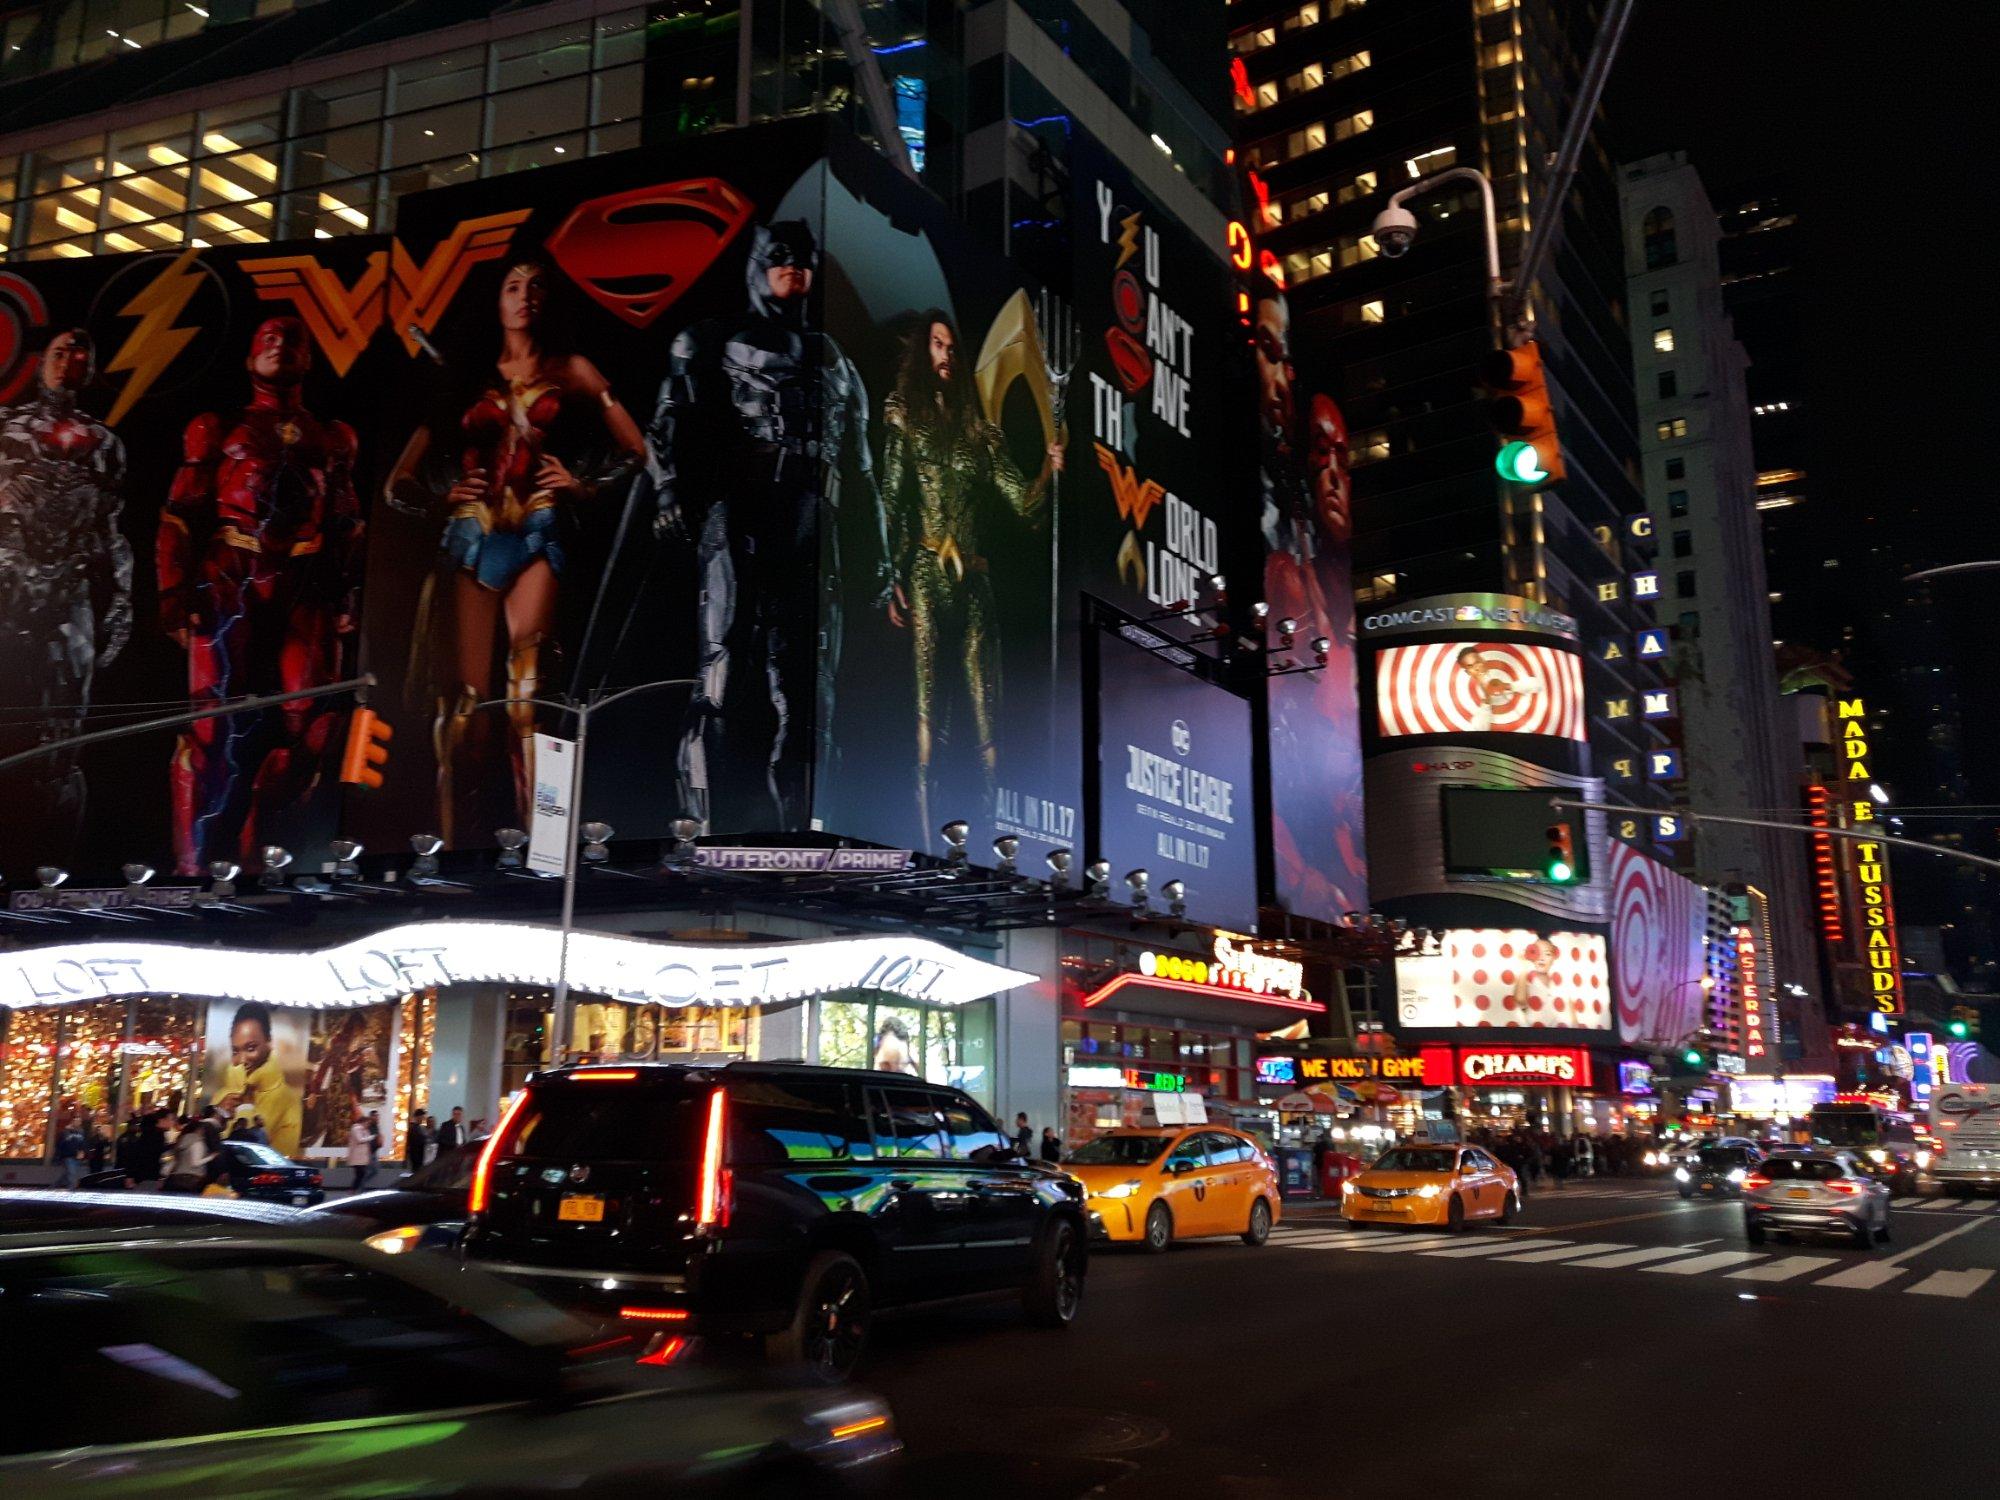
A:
{"x": 1488, "y": 1191}
{"x": 1229, "y": 1163}
{"x": 1184, "y": 1185}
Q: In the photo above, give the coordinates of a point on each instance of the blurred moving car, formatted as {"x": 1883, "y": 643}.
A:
{"x": 1718, "y": 1171}
{"x": 425, "y": 1209}
{"x": 259, "y": 1173}
{"x": 1436, "y": 1185}
{"x": 1158, "y": 1186}
{"x": 1815, "y": 1192}
{"x": 776, "y": 1199}
{"x": 306, "y": 1367}
{"x": 1882, "y": 1141}
{"x": 40, "y": 1211}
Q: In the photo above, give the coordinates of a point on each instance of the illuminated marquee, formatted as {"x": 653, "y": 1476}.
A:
{"x": 1826, "y": 869}
{"x": 1482, "y": 1067}
{"x": 1871, "y": 864}
{"x": 1752, "y": 991}
{"x": 1363, "y": 1068}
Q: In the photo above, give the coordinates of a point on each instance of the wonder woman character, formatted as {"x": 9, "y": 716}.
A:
{"x": 943, "y": 466}
{"x": 507, "y": 520}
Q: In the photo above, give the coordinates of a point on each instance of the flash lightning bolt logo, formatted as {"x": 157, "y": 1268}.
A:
{"x": 155, "y": 343}
{"x": 1128, "y": 240}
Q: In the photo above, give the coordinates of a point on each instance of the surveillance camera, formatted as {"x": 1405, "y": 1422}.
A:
{"x": 1395, "y": 230}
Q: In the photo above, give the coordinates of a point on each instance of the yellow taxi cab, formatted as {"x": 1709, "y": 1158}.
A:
{"x": 1177, "y": 1183}
{"x": 1441, "y": 1186}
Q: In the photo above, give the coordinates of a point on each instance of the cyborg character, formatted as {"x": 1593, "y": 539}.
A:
{"x": 758, "y": 420}
{"x": 65, "y": 570}
{"x": 259, "y": 560}
{"x": 941, "y": 461}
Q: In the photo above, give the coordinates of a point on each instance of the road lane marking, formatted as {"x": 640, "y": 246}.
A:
{"x": 1950, "y": 1234}
{"x": 1640, "y": 1257}
{"x": 1950, "y": 1284}
{"x": 1863, "y": 1277}
{"x": 1621, "y": 1219}
{"x": 1399, "y": 1245}
{"x": 1567, "y": 1253}
{"x": 1714, "y": 1261}
{"x": 1971, "y": 1206}
{"x": 1783, "y": 1270}
{"x": 1492, "y": 1247}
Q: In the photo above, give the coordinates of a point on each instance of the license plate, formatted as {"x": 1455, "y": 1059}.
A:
{"x": 1797, "y": 1193}
{"x": 577, "y": 1208}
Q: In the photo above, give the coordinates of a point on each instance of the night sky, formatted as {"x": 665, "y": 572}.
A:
{"x": 1870, "y": 113}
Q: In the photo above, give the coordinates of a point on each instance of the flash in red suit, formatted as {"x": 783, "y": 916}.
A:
{"x": 259, "y": 559}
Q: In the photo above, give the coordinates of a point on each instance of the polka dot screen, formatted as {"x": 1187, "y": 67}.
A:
{"x": 1514, "y": 977}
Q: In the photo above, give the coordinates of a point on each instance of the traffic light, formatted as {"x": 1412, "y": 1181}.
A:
{"x": 1560, "y": 863}
{"x": 1964, "y": 1022}
{"x": 1522, "y": 416}
{"x": 367, "y": 747}
{"x": 1694, "y": 1057}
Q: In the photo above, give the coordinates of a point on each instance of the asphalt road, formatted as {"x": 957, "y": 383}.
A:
{"x": 1615, "y": 1341}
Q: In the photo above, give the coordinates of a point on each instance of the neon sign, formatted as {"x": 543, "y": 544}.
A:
{"x": 1752, "y": 992}
{"x": 1871, "y": 866}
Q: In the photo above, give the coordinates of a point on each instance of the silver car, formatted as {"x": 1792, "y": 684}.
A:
{"x": 1815, "y": 1192}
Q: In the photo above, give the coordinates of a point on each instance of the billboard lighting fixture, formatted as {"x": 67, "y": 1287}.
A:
{"x": 346, "y": 854}
{"x": 511, "y": 841}
{"x": 137, "y": 874}
{"x": 1059, "y": 861}
{"x": 1176, "y": 893}
{"x": 222, "y": 874}
{"x": 1136, "y": 882}
{"x": 597, "y": 842}
{"x": 681, "y": 834}
{"x": 1097, "y": 878}
{"x": 276, "y": 858}
{"x": 955, "y": 833}
{"x": 425, "y": 846}
{"x": 1005, "y": 850}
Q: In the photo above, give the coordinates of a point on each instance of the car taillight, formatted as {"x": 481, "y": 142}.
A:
{"x": 482, "y": 1171}
{"x": 316, "y": 1179}
{"x": 1756, "y": 1180}
{"x": 1842, "y": 1185}
{"x": 266, "y": 1179}
{"x": 714, "y": 1192}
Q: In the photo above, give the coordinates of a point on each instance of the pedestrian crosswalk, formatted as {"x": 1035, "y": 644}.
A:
{"x": 1694, "y": 1258}
{"x": 1654, "y": 1191}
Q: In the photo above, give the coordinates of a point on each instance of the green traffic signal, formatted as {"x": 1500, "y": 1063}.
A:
{"x": 1692, "y": 1057}
{"x": 1956, "y": 1028}
{"x": 1560, "y": 872}
{"x": 1520, "y": 463}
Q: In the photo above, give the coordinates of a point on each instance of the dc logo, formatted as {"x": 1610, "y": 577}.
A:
{"x": 1183, "y": 739}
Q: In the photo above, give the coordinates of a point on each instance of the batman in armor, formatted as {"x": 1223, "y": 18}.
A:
{"x": 760, "y": 428}
{"x": 65, "y": 573}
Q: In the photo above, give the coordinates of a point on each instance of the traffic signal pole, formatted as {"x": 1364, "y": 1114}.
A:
{"x": 221, "y": 710}
{"x": 1856, "y": 834}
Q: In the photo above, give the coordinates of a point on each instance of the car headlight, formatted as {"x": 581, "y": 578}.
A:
{"x": 1349, "y": 1186}
{"x": 1122, "y": 1190}
{"x": 1923, "y": 1158}
{"x": 1878, "y": 1156}
{"x": 396, "y": 1241}
{"x": 1737, "y": 1174}
{"x": 1429, "y": 1190}
{"x": 1681, "y": 1175}
{"x": 1652, "y": 1158}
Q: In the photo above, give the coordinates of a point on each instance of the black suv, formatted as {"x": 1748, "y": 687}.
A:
{"x": 769, "y": 1198}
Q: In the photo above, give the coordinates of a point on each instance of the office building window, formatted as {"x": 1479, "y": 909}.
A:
{"x": 1677, "y": 504}
{"x": 1311, "y": 138}
{"x": 1371, "y": 312}
{"x": 1434, "y": 160}
{"x": 1660, "y": 302}
{"x": 1667, "y": 431}
{"x": 1657, "y": 230}
{"x": 1683, "y": 544}
{"x": 1354, "y": 124}
{"x": 1312, "y": 203}
{"x": 1684, "y": 585}
{"x": 1690, "y": 624}
{"x": 1670, "y": 385}
{"x": 1663, "y": 340}
{"x": 327, "y": 158}
{"x": 1362, "y": 185}
{"x": 1368, "y": 447}
{"x": 1677, "y": 468}
{"x": 1353, "y": 63}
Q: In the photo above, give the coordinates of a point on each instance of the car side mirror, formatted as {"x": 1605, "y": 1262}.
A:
{"x": 1468, "y": 1170}
{"x": 1180, "y": 1166}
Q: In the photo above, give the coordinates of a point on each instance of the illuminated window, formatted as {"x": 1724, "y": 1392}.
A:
{"x": 1368, "y": 447}
{"x": 1309, "y": 139}
{"x": 1663, "y": 340}
{"x": 1362, "y": 185}
{"x": 1354, "y": 124}
{"x": 1307, "y": 15}
{"x": 1677, "y": 428}
{"x": 1499, "y": 54}
{"x": 1355, "y": 248}
{"x": 1434, "y": 160}
{"x": 1311, "y": 76}
{"x": 1375, "y": 590}
{"x": 1495, "y": 7}
{"x": 1371, "y": 312}
{"x": 1267, "y": 93}
{"x": 1351, "y": 64}
{"x": 1312, "y": 203}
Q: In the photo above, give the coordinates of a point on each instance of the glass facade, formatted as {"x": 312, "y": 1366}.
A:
{"x": 59, "y": 34}
{"x": 330, "y": 158}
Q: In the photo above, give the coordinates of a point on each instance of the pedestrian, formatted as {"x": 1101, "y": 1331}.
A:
{"x": 189, "y": 1165}
{"x": 374, "y": 1141}
{"x": 1560, "y": 1160}
{"x": 97, "y": 1139}
{"x": 359, "y": 1155}
{"x": 1051, "y": 1144}
{"x": 151, "y": 1151}
{"x": 452, "y": 1134}
{"x": 126, "y": 1154}
{"x": 418, "y": 1145}
{"x": 1024, "y": 1135}
{"x": 238, "y": 1128}
{"x": 69, "y": 1150}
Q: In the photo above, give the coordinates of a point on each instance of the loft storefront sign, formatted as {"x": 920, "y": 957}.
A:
{"x": 1491, "y": 1067}
{"x": 425, "y": 955}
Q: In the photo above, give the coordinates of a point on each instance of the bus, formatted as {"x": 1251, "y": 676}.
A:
{"x": 1965, "y": 1118}
{"x": 1885, "y": 1140}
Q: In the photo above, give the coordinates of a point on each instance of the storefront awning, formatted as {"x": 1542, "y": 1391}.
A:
{"x": 423, "y": 955}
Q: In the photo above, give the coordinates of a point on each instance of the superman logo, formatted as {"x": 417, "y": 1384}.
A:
{"x": 635, "y": 253}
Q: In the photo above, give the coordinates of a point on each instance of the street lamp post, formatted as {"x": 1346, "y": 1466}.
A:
{"x": 559, "y": 1009}
{"x": 1395, "y": 227}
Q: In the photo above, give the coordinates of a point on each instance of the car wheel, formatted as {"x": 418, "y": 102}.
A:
{"x": 1882, "y": 1231}
{"x": 1159, "y": 1228}
{"x": 829, "y": 1329}
{"x": 1864, "y": 1237}
{"x": 1687, "y": 1192}
{"x": 1509, "y": 1208}
{"x": 1260, "y": 1223}
{"x": 1055, "y": 1291}
{"x": 1753, "y": 1234}
{"x": 1454, "y": 1214}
